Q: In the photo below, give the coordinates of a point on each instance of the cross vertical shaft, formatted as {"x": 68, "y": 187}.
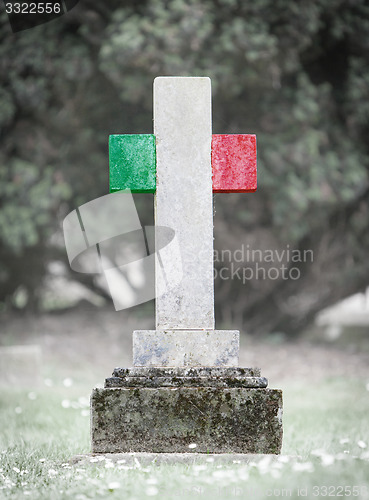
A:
{"x": 183, "y": 200}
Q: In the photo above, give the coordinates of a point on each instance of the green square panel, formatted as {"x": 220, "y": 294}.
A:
{"x": 132, "y": 163}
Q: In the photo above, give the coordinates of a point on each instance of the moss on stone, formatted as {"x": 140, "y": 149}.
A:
{"x": 218, "y": 420}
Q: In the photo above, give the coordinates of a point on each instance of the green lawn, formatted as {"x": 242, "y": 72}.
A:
{"x": 325, "y": 425}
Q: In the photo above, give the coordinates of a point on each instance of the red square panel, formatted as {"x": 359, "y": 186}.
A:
{"x": 233, "y": 159}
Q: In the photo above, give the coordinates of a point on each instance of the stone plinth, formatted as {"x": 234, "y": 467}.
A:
{"x": 163, "y": 410}
{"x": 185, "y": 347}
{"x": 186, "y": 377}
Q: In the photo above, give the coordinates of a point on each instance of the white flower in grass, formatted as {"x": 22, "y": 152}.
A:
{"x": 83, "y": 401}
{"x": 318, "y": 453}
{"x": 341, "y": 456}
{"x": 361, "y": 444}
{"x": 152, "y": 480}
{"x": 32, "y": 396}
{"x": 243, "y": 474}
{"x": 327, "y": 460}
{"x": 114, "y": 485}
{"x": 277, "y": 465}
{"x": 15, "y": 469}
{"x": 199, "y": 467}
{"x": 275, "y": 473}
{"x": 225, "y": 474}
{"x": 42, "y": 460}
{"x": 26, "y": 492}
{"x": 65, "y": 403}
{"x": 264, "y": 464}
{"x": 344, "y": 440}
{"x": 192, "y": 446}
{"x": 18, "y": 410}
{"x": 152, "y": 491}
{"x": 94, "y": 459}
{"x": 52, "y": 472}
{"x": 303, "y": 467}
{"x": 121, "y": 461}
{"x": 85, "y": 413}
{"x": 109, "y": 465}
{"x": 218, "y": 473}
{"x": 67, "y": 382}
{"x": 210, "y": 459}
{"x": 367, "y": 386}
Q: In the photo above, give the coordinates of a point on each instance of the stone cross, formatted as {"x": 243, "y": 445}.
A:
{"x": 184, "y": 164}
{"x": 185, "y": 391}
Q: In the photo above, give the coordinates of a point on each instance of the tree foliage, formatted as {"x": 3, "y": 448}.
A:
{"x": 294, "y": 73}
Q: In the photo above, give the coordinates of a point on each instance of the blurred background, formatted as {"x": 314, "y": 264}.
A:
{"x": 294, "y": 73}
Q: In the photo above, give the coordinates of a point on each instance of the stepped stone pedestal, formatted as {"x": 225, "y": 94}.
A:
{"x": 165, "y": 409}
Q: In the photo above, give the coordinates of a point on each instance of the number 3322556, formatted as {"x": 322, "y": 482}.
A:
{"x": 33, "y": 8}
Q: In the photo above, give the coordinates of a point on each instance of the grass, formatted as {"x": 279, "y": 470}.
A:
{"x": 325, "y": 451}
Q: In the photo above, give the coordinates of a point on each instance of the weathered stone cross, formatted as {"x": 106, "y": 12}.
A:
{"x": 183, "y": 164}
{"x": 185, "y": 391}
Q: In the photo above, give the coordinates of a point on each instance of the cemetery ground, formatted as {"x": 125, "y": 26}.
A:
{"x": 42, "y": 427}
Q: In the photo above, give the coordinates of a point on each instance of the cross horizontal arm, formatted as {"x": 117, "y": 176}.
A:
{"x": 233, "y": 160}
{"x": 132, "y": 163}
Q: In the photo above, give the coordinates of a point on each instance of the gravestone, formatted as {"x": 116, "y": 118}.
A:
{"x": 185, "y": 391}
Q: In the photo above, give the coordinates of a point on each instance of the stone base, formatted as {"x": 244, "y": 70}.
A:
{"x": 215, "y": 416}
{"x": 186, "y": 348}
